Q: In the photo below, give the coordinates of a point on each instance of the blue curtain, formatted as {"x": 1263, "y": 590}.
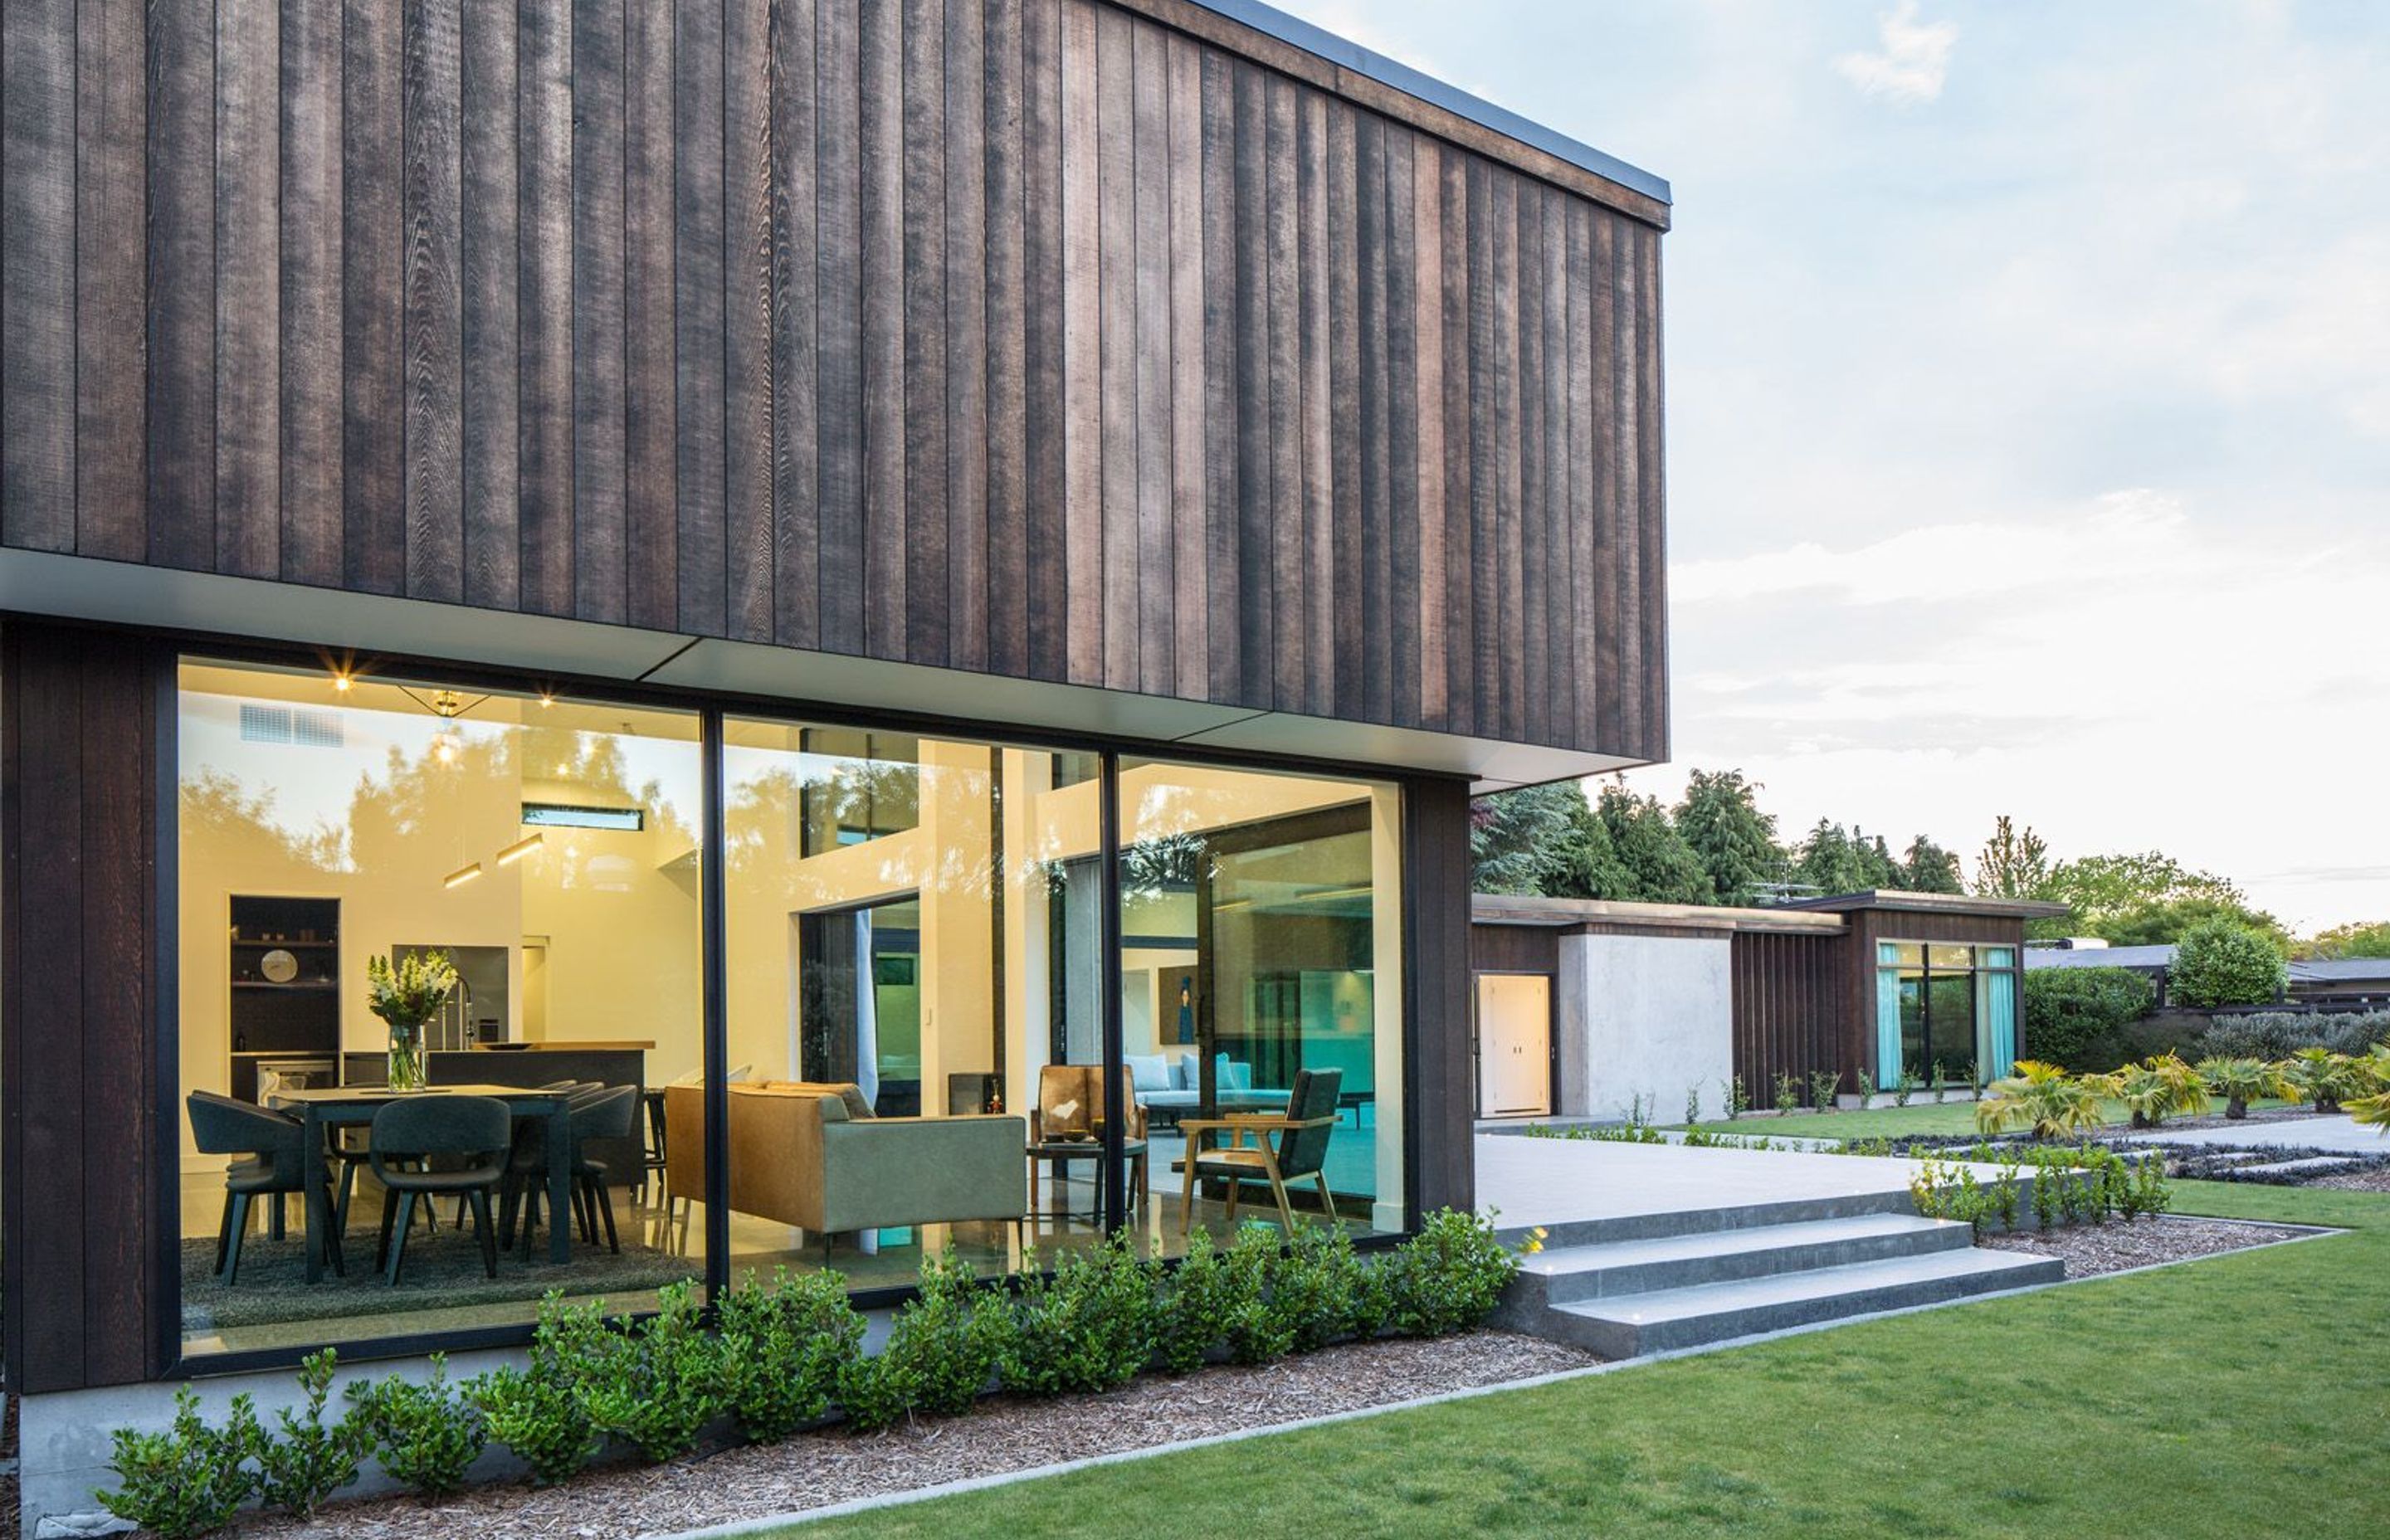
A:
{"x": 1999, "y": 1018}
{"x": 1887, "y": 1026}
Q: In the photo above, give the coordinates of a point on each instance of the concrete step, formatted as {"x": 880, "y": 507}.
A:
{"x": 1632, "y": 1325}
{"x": 1608, "y": 1270}
{"x": 1611, "y": 1229}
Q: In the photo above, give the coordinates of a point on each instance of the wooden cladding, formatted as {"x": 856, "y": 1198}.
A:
{"x": 88, "y": 1232}
{"x": 1031, "y": 336}
{"x": 1791, "y": 1010}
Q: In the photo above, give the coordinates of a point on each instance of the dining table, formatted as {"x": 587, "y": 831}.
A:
{"x": 322, "y": 1108}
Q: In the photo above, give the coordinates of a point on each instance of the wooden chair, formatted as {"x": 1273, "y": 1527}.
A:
{"x": 1083, "y": 1086}
{"x": 1272, "y": 1147}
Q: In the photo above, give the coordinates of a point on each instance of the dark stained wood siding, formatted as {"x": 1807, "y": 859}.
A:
{"x": 1868, "y": 927}
{"x": 1791, "y": 1010}
{"x": 1100, "y": 340}
{"x": 86, "y": 1232}
{"x": 1441, "y": 1051}
{"x": 1515, "y": 948}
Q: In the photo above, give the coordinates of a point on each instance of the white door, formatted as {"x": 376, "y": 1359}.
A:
{"x": 1514, "y": 1045}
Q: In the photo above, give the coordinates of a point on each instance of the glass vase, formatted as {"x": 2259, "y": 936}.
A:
{"x": 405, "y": 1058}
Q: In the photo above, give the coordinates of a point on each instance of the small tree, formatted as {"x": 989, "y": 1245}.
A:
{"x": 2219, "y": 963}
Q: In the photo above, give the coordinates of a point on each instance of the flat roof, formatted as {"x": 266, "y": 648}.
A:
{"x": 1346, "y": 54}
{"x": 2098, "y": 957}
{"x": 1938, "y": 903}
{"x": 1533, "y": 909}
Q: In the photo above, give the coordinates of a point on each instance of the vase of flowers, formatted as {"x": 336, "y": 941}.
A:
{"x": 406, "y": 994}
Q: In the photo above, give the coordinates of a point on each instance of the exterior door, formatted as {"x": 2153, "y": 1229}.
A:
{"x": 1514, "y": 1045}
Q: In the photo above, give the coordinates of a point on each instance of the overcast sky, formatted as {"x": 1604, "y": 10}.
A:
{"x": 2028, "y": 405}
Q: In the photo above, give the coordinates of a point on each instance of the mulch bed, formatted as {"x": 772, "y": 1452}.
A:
{"x": 2092, "y": 1250}
{"x": 1004, "y": 1434}
{"x": 2372, "y": 1179}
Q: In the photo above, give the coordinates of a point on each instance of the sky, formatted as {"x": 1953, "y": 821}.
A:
{"x": 2029, "y": 406}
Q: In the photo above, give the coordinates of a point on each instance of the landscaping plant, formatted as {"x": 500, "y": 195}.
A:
{"x": 310, "y": 1460}
{"x": 1823, "y": 1085}
{"x": 2069, "y": 1011}
{"x": 1904, "y": 1086}
{"x": 662, "y": 1383}
{"x": 1317, "y": 1285}
{"x": 424, "y": 1435}
{"x": 2042, "y": 1097}
{"x": 1196, "y": 1310}
{"x": 537, "y": 1416}
{"x": 785, "y": 1349}
{"x": 941, "y": 1354}
{"x": 190, "y": 1479}
{"x": 1088, "y": 1326}
{"x": 1788, "y": 1093}
{"x": 1934, "y": 1077}
{"x": 2323, "y": 1077}
{"x": 2157, "y": 1088}
{"x": 2241, "y": 1082}
{"x": 1448, "y": 1277}
{"x": 1260, "y": 1331}
{"x": 2218, "y": 962}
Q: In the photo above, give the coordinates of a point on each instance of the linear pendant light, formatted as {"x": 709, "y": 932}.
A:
{"x": 520, "y": 847}
{"x": 462, "y": 875}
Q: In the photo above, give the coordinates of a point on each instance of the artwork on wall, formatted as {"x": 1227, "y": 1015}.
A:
{"x": 1182, "y": 1024}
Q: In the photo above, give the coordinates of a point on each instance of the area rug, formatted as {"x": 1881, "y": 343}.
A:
{"x": 443, "y": 1270}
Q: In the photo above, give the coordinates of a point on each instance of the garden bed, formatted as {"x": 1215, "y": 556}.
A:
{"x": 1004, "y": 1434}
{"x": 2092, "y": 1250}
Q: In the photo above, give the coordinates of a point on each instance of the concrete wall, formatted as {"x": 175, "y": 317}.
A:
{"x": 1643, "y": 1016}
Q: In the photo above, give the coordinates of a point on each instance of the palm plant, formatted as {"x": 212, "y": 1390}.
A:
{"x": 2159, "y": 1087}
{"x": 2043, "y": 1095}
{"x": 2241, "y": 1082}
{"x": 2323, "y": 1077}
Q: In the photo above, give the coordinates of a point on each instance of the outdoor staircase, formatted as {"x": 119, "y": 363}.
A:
{"x": 1646, "y": 1283}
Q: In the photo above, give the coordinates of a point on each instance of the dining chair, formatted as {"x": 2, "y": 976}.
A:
{"x": 1267, "y": 1147}
{"x": 409, "y": 1136}
{"x": 276, "y": 1145}
{"x": 613, "y": 1113}
{"x": 522, "y": 1192}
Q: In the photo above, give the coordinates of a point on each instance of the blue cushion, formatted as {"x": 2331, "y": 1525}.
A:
{"x": 1234, "y": 1075}
{"x": 1182, "y": 1072}
{"x": 1149, "y": 1072}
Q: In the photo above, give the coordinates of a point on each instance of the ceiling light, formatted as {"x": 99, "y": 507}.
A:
{"x": 462, "y": 875}
{"x": 520, "y": 847}
{"x": 340, "y": 683}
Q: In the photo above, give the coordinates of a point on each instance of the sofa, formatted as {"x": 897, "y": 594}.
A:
{"x": 1169, "y": 1086}
{"x": 813, "y": 1156}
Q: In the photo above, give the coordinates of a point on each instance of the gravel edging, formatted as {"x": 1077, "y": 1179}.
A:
{"x": 2092, "y": 1251}
{"x": 1003, "y": 1436}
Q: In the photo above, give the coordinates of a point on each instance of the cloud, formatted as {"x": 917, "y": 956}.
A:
{"x": 1914, "y": 63}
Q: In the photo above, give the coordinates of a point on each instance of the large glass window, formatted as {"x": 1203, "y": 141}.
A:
{"x": 1260, "y": 968}
{"x": 1944, "y": 1013}
{"x": 549, "y": 850}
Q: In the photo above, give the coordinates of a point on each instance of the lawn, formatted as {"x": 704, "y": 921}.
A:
{"x": 2240, "y": 1395}
{"x": 1919, "y": 1118}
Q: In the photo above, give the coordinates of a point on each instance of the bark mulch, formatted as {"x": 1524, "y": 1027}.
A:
{"x": 1004, "y": 1434}
{"x": 2090, "y": 1250}
{"x": 2372, "y": 1179}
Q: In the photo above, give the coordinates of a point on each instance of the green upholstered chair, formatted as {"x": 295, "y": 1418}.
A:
{"x": 274, "y": 1143}
{"x": 1270, "y": 1147}
{"x": 427, "y": 1146}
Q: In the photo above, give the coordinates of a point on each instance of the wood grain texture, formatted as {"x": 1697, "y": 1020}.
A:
{"x": 1067, "y": 339}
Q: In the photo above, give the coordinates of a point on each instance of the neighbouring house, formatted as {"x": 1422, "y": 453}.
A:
{"x": 2150, "y": 962}
{"x": 2317, "y": 984}
{"x": 1595, "y": 1008}
{"x": 914, "y": 596}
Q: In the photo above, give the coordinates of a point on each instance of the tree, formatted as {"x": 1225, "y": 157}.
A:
{"x": 2359, "y": 939}
{"x": 1657, "y": 865}
{"x": 2148, "y": 898}
{"x": 2164, "y": 924}
{"x": 1512, "y": 836}
{"x": 1926, "y": 867}
{"x": 1835, "y": 860}
{"x": 1735, "y": 842}
{"x": 2219, "y": 963}
{"x": 2015, "y": 864}
{"x": 1585, "y": 863}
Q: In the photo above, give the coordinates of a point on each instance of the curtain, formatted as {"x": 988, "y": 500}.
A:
{"x": 867, "y": 1011}
{"x": 1999, "y": 1007}
{"x": 1887, "y": 1026}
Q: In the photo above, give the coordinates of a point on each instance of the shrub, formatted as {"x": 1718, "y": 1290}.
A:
{"x": 2281, "y": 1033}
{"x": 537, "y": 1416}
{"x": 2158, "y": 1087}
{"x": 1823, "y": 1085}
{"x": 310, "y": 1461}
{"x": 785, "y": 1349}
{"x": 2042, "y": 1097}
{"x": 1087, "y": 1327}
{"x": 1447, "y": 1277}
{"x": 2241, "y": 1082}
{"x": 2219, "y": 963}
{"x": 2323, "y": 1077}
{"x": 662, "y": 1383}
{"x": 940, "y": 1354}
{"x": 190, "y": 1479}
{"x": 424, "y": 1435}
{"x": 1197, "y": 1310}
{"x": 1316, "y": 1285}
{"x": 2068, "y": 1009}
{"x": 1259, "y": 1332}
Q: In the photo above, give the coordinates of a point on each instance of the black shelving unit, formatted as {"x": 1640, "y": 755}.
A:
{"x": 296, "y": 1018}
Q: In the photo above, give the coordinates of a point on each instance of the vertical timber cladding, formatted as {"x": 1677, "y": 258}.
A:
{"x": 86, "y": 1219}
{"x": 1098, "y": 340}
{"x": 1788, "y": 1012}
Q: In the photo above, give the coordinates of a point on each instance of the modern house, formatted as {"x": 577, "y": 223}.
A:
{"x": 2314, "y": 983}
{"x": 868, "y": 573}
{"x": 1594, "y": 1009}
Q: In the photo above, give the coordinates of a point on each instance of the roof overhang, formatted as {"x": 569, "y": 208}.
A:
{"x": 551, "y": 649}
{"x": 1936, "y": 903}
{"x": 1524, "y": 909}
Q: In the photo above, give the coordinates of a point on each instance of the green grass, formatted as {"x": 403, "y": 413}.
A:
{"x": 2239, "y": 1395}
{"x": 1919, "y": 1118}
